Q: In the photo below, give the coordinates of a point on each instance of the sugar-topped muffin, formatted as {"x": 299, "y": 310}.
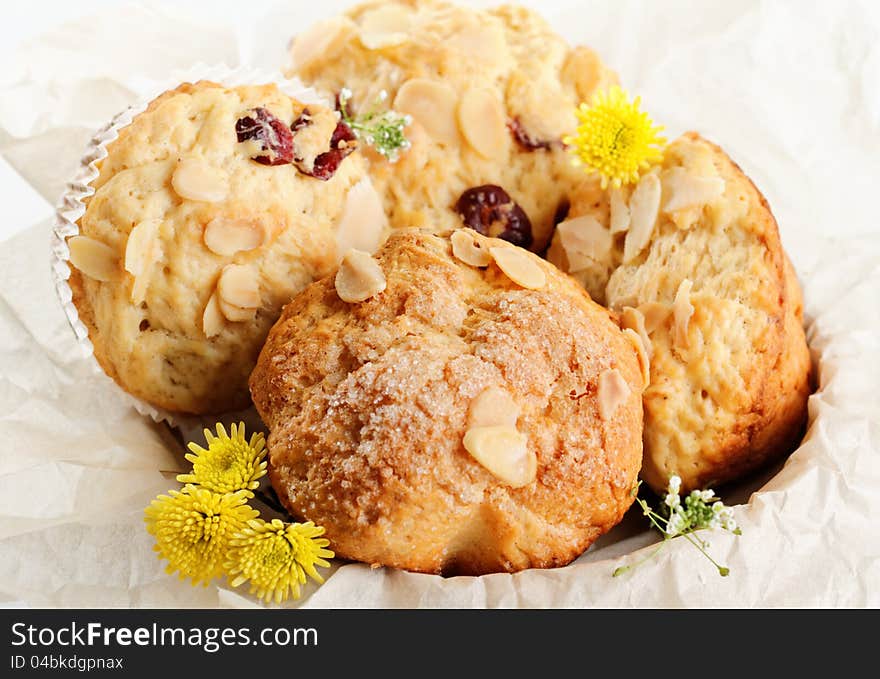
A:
{"x": 692, "y": 261}
{"x": 491, "y": 93}
{"x": 453, "y": 405}
{"x": 213, "y": 208}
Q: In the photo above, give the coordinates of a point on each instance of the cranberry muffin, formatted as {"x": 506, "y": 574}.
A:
{"x": 491, "y": 94}
{"x": 455, "y": 405}
{"x": 692, "y": 261}
{"x": 212, "y": 208}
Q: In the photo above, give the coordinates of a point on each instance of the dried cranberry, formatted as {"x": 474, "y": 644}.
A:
{"x": 304, "y": 120}
{"x": 561, "y": 211}
{"x": 489, "y": 210}
{"x": 273, "y": 135}
{"x": 342, "y": 143}
{"x": 524, "y": 139}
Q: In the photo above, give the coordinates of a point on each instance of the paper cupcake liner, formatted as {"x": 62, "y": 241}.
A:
{"x": 71, "y": 207}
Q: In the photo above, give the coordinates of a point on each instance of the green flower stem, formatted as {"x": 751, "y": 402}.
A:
{"x": 381, "y": 130}
{"x": 620, "y": 570}
{"x": 722, "y": 570}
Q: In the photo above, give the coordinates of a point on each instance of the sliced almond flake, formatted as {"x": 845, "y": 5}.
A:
{"x": 644, "y": 357}
{"x": 234, "y": 313}
{"x": 481, "y": 41}
{"x": 385, "y": 26}
{"x": 225, "y": 237}
{"x": 238, "y": 287}
{"x": 683, "y": 190}
{"x": 682, "y": 310}
{"x": 483, "y": 122}
{"x": 503, "y": 451}
{"x": 519, "y": 267}
{"x": 95, "y": 259}
{"x": 194, "y": 179}
{"x": 318, "y": 40}
{"x": 468, "y": 247}
{"x": 583, "y": 68}
{"x": 493, "y": 406}
{"x": 139, "y": 252}
{"x": 433, "y": 105}
{"x": 613, "y": 391}
{"x": 359, "y": 277}
{"x": 363, "y": 224}
{"x": 644, "y": 205}
{"x": 585, "y": 242}
{"x": 634, "y": 319}
{"x": 212, "y": 317}
{"x": 655, "y": 315}
{"x": 620, "y": 216}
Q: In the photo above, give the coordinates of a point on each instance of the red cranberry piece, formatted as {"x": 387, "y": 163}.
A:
{"x": 304, "y": 120}
{"x": 489, "y": 210}
{"x": 342, "y": 143}
{"x": 561, "y": 212}
{"x": 273, "y": 135}
{"x": 524, "y": 139}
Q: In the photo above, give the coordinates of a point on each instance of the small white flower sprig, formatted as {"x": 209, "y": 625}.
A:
{"x": 700, "y": 510}
{"x": 383, "y": 130}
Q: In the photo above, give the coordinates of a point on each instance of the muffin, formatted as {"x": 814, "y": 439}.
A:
{"x": 491, "y": 94}
{"x": 212, "y": 208}
{"x": 692, "y": 261}
{"x": 471, "y": 410}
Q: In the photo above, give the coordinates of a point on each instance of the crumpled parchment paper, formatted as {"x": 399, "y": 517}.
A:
{"x": 791, "y": 90}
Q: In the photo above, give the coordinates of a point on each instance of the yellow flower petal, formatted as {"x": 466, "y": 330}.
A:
{"x": 276, "y": 557}
{"x": 615, "y": 139}
{"x": 230, "y": 463}
{"x": 193, "y": 527}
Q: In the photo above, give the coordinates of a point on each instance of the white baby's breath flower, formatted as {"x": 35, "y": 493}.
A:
{"x": 699, "y": 510}
{"x": 729, "y": 523}
{"x": 383, "y": 130}
{"x": 672, "y": 500}
{"x": 675, "y": 524}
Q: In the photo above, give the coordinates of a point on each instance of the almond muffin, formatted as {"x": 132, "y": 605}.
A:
{"x": 213, "y": 208}
{"x": 692, "y": 261}
{"x": 491, "y": 94}
{"x": 468, "y": 410}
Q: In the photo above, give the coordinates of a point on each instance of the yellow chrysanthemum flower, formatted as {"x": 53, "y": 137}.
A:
{"x": 615, "y": 139}
{"x": 193, "y": 528}
{"x": 276, "y": 557}
{"x": 230, "y": 463}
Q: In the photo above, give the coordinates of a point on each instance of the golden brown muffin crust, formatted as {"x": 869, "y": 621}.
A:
{"x": 733, "y": 394}
{"x": 368, "y": 404}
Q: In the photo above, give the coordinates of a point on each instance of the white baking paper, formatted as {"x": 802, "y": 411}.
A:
{"x": 790, "y": 89}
